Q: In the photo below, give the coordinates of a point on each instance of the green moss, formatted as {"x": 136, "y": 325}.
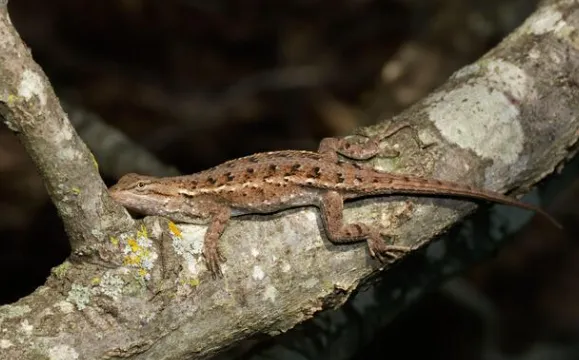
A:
{"x": 94, "y": 161}
{"x": 61, "y": 270}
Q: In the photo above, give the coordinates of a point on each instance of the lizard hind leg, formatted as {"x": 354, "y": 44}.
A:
{"x": 331, "y": 147}
{"x": 332, "y": 207}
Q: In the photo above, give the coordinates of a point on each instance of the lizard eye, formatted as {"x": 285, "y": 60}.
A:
{"x": 141, "y": 185}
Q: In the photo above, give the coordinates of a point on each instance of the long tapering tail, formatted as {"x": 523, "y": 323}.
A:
{"x": 400, "y": 184}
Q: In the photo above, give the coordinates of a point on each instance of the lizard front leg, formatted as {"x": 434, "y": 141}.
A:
{"x": 332, "y": 208}
{"x": 210, "y": 212}
{"x": 220, "y": 215}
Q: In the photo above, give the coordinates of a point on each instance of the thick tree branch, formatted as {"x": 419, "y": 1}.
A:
{"x": 502, "y": 123}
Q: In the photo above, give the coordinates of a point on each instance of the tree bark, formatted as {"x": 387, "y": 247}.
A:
{"x": 139, "y": 289}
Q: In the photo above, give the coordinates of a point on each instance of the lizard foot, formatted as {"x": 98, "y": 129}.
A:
{"x": 383, "y": 252}
{"x": 213, "y": 258}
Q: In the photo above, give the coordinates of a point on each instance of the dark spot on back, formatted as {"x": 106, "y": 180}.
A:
{"x": 250, "y": 170}
{"x": 340, "y": 178}
{"x": 293, "y": 170}
{"x": 357, "y": 166}
{"x": 229, "y": 176}
{"x": 211, "y": 180}
{"x": 359, "y": 178}
{"x": 316, "y": 172}
{"x": 272, "y": 168}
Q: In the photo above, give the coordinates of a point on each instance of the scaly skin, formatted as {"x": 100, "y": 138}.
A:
{"x": 279, "y": 180}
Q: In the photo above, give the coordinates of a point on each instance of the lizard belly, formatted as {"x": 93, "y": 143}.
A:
{"x": 271, "y": 202}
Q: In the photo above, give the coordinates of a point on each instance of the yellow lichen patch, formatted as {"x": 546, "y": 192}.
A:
{"x": 145, "y": 253}
{"x": 139, "y": 253}
{"x": 95, "y": 281}
{"x": 114, "y": 240}
{"x": 94, "y": 161}
{"x": 142, "y": 232}
{"x": 133, "y": 244}
{"x": 75, "y": 190}
{"x": 174, "y": 229}
{"x": 131, "y": 259}
{"x": 192, "y": 282}
{"x": 12, "y": 99}
{"x": 328, "y": 285}
{"x": 61, "y": 270}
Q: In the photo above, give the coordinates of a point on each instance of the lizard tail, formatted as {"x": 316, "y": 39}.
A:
{"x": 420, "y": 186}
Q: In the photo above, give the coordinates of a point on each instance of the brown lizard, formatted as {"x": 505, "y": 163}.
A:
{"x": 273, "y": 181}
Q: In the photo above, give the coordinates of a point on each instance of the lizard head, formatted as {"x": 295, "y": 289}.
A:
{"x": 136, "y": 192}
{"x": 132, "y": 182}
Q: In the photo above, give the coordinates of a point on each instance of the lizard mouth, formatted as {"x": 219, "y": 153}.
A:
{"x": 126, "y": 198}
{"x": 143, "y": 204}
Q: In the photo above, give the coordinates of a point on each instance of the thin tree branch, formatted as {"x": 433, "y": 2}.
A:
{"x": 30, "y": 108}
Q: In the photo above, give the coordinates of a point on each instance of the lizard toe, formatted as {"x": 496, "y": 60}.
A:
{"x": 221, "y": 257}
{"x": 384, "y": 252}
{"x": 214, "y": 269}
{"x": 212, "y": 261}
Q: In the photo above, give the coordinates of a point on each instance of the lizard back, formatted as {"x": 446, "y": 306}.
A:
{"x": 279, "y": 173}
{"x": 271, "y": 181}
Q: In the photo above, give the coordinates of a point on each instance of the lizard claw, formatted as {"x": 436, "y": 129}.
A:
{"x": 213, "y": 258}
{"x": 383, "y": 252}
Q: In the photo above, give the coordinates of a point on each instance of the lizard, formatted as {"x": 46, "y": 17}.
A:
{"x": 273, "y": 181}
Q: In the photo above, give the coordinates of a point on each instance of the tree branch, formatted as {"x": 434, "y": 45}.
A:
{"x": 501, "y": 123}
{"x": 30, "y": 108}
